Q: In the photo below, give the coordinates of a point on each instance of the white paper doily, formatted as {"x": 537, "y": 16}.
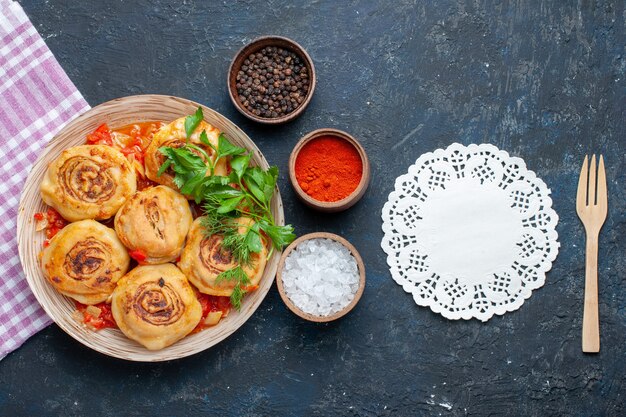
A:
{"x": 469, "y": 231}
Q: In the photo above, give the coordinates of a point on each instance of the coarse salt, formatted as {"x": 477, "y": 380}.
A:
{"x": 320, "y": 277}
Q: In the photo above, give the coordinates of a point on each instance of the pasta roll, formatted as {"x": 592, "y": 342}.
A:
{"x": 155, "y": 306}
{"x": 88, "y": 182}
{"x": 204, "y": 258}
{"x": 84, "y": 261}
{"x": 154, "y": 222}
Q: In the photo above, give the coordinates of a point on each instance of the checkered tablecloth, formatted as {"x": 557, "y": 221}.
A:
{"x": 36, "y": 100}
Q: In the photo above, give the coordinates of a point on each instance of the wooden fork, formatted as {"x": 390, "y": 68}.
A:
{"x": 591, "y": 205}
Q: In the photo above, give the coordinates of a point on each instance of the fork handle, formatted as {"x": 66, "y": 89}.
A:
{"x": 591, "y": 320}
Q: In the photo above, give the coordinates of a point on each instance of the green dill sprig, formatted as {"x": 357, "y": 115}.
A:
{"x": 241, "y": 280}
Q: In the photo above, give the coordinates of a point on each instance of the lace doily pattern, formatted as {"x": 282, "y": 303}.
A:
{"x": 469, "y": 231}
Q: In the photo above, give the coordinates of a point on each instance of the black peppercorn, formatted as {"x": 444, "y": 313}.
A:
{"x": 279, "y": 81}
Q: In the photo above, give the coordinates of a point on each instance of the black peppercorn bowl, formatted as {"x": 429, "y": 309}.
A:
{"x": 235, "y": 71}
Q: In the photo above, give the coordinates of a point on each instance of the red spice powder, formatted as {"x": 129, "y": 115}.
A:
{"x": 328, "y": 168}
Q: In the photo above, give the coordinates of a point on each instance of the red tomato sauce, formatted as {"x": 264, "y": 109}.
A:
{"x": 100, "y": 136}
{"x": 104, "y": 321}
{"x": 55, "y": 223}
{"x": 132, "y": 140}
{"x": 141, "y": 135}
{"x": 211, "y": 303}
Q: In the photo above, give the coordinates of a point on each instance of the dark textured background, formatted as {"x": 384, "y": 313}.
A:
{"x": 543, "y": 80}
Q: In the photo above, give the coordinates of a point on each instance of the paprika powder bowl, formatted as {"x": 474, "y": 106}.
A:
{"x": 349, "y": 200}
{"x": 256, "y": 46}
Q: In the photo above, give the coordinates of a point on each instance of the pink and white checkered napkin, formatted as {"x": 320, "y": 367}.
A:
{"x": 36, "y": 101}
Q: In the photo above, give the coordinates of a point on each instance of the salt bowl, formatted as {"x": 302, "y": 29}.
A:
{"x": 321, "y": 277}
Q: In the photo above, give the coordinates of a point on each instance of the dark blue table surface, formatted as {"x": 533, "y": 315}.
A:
{"x": 543, "y": 80}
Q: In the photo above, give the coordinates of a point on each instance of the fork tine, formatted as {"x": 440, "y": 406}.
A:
{"x": 591, "y": 188}
{"x": 581, "y": 195}
{"x": 602, "y": 192}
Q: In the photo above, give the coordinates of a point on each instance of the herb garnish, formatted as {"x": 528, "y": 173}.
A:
{"x": 192, "y": 122}
{"x": 238, "y": 275}
{"x": 245, "y": 192}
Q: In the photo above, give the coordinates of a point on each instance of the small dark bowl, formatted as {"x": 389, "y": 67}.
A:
{"x": 254, "y": 46}
{"x": 330, "y": 206}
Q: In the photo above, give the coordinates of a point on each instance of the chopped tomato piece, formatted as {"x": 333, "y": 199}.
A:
{"x": 250, "y": 288}
{"x": 101, "y": 136}
{"x": 138, "y": 255}
{"x": 210, "y": 304}
{"x": 134, "y": 151}
{"x": 55, "y": 222}
{"x": 51, "y": 222}
{"x": 103, "y": 321}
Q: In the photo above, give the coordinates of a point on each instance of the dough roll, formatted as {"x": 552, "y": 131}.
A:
{"x": 84, "y": 261}
{"x": 204, "y": 258}
{"x": 88, "y": 182}
{"x": 155, "y": 305}
{"x": 155, "y": 222}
